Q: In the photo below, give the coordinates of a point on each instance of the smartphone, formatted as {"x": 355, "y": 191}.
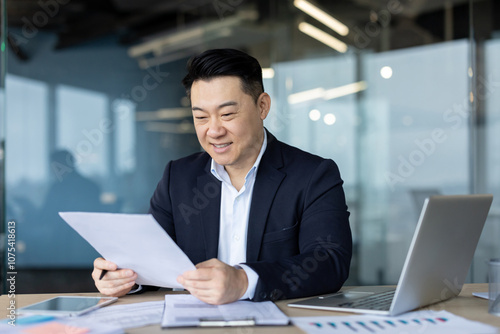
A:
{"x": 67, "y": 305}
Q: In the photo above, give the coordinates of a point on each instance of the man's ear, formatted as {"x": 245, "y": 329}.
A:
{"x": 264, "y": 104}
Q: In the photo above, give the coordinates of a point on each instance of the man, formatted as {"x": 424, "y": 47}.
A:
{"x": 260, "y": 219}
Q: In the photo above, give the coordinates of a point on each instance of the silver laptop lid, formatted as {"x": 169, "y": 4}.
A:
{"x": 441, "y": 251}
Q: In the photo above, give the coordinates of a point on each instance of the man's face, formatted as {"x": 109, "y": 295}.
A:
{"x": 228, "y": 123}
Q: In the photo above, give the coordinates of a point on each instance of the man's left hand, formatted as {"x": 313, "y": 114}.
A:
{"x": 215, "y": 282}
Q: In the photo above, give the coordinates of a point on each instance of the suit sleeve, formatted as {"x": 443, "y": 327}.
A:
{"x": 161, "y": 205}
{"x": 324, "y": 239}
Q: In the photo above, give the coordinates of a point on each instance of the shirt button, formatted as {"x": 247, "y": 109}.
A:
{"x": 236, "y": 238}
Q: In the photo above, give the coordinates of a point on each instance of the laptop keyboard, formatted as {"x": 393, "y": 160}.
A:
{"x": 381, "y": 301}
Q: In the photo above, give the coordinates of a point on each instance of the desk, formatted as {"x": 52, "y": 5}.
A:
{"x": 465, "y": 305}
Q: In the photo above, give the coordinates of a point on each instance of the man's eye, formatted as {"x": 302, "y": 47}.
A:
{"x": 228, "y": 114}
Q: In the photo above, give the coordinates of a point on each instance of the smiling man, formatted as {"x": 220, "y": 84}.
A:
{"x": 261, "y": 220}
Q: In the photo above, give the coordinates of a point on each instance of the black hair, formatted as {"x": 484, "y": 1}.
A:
{"x": 226, "y": 62}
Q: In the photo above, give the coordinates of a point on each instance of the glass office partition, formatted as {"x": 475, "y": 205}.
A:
{"x": 398, "y": 143}
{"x": 491, "y": 84}
{"x": 3, "y": 239}
{"x": 413, "y": 122}
{"x": 485, "y": 52}
{"x": 84, "y": 134}
{"x": 414, "y": 145}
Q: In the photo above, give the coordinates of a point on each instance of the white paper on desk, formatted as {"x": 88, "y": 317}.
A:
{"x": 422, "y": 322}
{"x": 186, "y": 310}
{"x": 483, "y": 295}
{"x": 133, "y": 241}
{"x": 128, "y": 315}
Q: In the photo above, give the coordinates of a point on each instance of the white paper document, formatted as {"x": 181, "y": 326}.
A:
{"x": 133, "y": 241}
{"x": 422, "y": 322}
{"x": 483, "y": 295}
{"x": 187, "y": 311}
{"x": 129, "y": 315}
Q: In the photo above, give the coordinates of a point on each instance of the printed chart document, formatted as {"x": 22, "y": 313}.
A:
{"x": 422, "y": 322}
{"x": 133, "y": 241}
{"x": 187, "y": 311}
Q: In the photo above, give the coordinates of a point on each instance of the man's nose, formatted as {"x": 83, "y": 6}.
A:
{"x": 215, "y": 128}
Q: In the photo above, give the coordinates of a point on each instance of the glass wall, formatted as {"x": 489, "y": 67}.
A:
{"x": 485, "y": 152}
{"x": 408, "y": 110}
{"x": 3, "y": 235}
{"x": 396, "y": 143}
{"x": 83, "y": 135}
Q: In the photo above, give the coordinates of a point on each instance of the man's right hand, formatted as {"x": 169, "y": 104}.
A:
{"x": 116, "y": 282}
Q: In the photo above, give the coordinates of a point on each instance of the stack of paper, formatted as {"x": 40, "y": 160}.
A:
{"x": 129, "y": 315}
{"x": 186, "y": 310}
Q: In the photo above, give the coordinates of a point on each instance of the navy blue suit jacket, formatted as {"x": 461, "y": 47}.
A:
{"x": 299, "y": 240}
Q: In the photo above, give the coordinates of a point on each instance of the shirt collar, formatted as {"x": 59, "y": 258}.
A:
{"x": 220, "y": 173}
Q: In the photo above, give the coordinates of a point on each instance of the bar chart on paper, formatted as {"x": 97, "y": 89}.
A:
{"x": 415, "y": 322}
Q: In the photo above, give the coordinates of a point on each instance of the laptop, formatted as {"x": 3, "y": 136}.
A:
{"x": 436, "y": 265}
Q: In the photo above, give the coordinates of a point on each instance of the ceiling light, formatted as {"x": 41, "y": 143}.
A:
{"x": 306, "y": 95}
{"x": 267, "y": 73}
{"x": 330, "y": 94}
{"x": 344, "y": 90}
{"x": 323, "y": 37}
{"x": 315, "y": 115}
{"x": 187, "y": 41}
{"x": 386, "y": 72}
{"x": 329, "y": 119}
{"x": 322, "y": 17}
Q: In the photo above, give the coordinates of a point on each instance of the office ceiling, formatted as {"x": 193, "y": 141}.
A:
{"x": 78, "y": 22}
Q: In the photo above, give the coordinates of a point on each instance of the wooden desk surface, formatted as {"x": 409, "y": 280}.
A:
{"x": 465, "y": 305}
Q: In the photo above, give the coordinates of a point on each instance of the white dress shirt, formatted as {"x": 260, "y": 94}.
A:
{"x": 234, "y": 213}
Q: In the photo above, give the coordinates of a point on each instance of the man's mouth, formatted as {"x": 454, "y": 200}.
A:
{"x": 221, "y": 145}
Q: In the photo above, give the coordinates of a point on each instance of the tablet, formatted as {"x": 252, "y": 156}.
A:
{"x": 67, "y": 305}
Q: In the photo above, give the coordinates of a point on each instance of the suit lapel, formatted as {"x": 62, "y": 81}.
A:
{"x": 267, "y": 182}
{"x": 210, "y": 187}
